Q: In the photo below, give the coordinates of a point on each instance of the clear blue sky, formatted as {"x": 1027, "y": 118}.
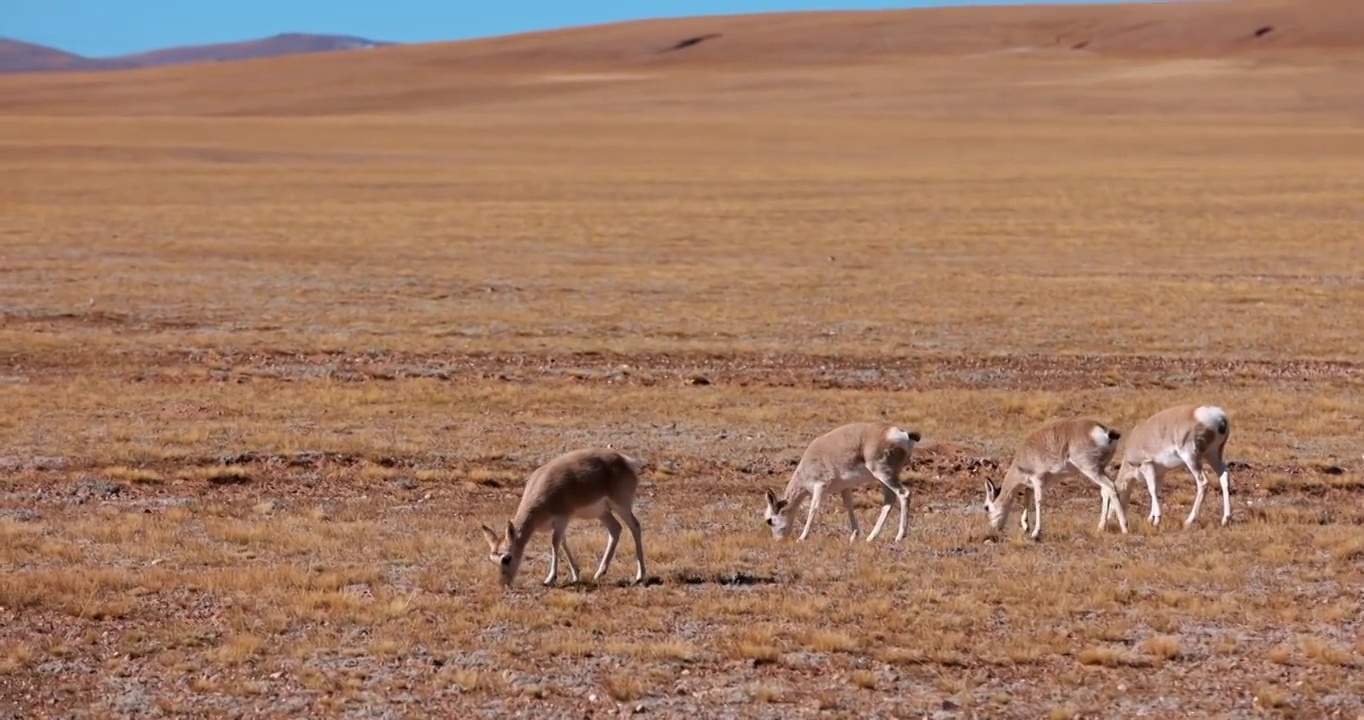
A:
{"x": 98, "y": 28}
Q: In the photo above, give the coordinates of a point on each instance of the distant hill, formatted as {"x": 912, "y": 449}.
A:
{"x": 16, "y": 56}
{"x": 1220, "y": 55}
{"x": 19, "y": 57}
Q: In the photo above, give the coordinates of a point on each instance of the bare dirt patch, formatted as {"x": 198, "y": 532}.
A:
{"x": 588, "y": 77}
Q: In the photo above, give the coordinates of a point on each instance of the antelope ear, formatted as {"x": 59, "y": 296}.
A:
{"x": 771, "y": 498}
{"x": 990, "y": 490}
{"x": 490, "y": 536}
{"x": 511, "y": 531}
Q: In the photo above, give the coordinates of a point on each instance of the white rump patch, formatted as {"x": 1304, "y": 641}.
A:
{"x": 1210, "y": 415}
{"x": 897, "y": 436}
{"x": 1100, "y": 435}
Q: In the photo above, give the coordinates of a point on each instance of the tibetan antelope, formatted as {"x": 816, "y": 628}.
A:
{"x": 838, "y": 461}
{"x": 1183, "y": 435}
{"x": 590, "y": 483}
{"x": 1077, "y": 446}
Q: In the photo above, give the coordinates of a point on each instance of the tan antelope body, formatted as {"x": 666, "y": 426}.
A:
{"x": 588, "y": 484}
{"x": 1077, "y": 446}
{"x": 1179, "y": 436}
{"x": 837, "y": 462}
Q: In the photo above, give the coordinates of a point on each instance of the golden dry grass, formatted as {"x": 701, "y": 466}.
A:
{"x": 263, "y": 378}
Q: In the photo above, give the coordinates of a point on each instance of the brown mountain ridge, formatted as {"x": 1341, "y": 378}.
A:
{"x": 1217, "y": 55}
{"x": 20, "y": 57}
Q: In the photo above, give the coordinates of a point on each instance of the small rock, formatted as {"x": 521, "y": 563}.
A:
{"x": 805, "y": 660}
{"x": 50, "y": 463}
{"x": 267, "y": 507}
{"x": 305, "y": 459}
{"x": 406, "y": 483}
{"x": 98, "y": 488}
{"x": 737, "y": 696}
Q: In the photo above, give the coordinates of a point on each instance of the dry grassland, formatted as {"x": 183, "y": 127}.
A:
{"x": 263, "y": 377}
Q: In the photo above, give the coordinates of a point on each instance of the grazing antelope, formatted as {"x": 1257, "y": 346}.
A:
{"x": 838, "y": 461}
{"x": 1077, "y": 446}
{"x": 1183, "y": 435}
{"x": 590, "y": 483}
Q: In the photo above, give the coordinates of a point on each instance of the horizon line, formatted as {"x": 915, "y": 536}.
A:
{"x": 911, "y": 6}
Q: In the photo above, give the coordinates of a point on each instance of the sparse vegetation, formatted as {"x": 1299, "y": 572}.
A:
{"x": 264, "y": 378}
{"x": 864, "y": 679}
{"x": 1163, "y": 647}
